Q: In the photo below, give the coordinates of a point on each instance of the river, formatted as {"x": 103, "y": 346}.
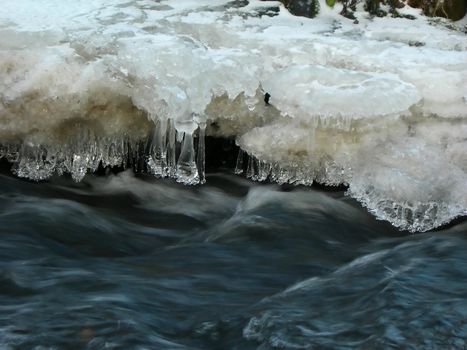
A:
{"x": 132, "y": 262}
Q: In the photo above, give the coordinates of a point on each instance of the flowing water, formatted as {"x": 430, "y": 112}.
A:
{"x": 129, "y": 262}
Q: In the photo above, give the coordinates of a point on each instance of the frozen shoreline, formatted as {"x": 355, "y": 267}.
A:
{"x": 380, "y": 106}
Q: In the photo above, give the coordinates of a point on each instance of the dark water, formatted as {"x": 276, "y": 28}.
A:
{"x": 131, "y": 263}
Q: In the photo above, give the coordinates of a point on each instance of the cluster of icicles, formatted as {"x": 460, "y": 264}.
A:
{"x": 165, "y": 153}
{"x": 409, "y": 216}
{"x": 328, "y": 173}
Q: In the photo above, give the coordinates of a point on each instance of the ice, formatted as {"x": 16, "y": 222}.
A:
{"x": 397, "y": 183}
{"x": 379, "y": 106}
{"x": 157, "y": 161}
{"x": 200, "y": 154}
{"x": 240, "y": 162}
{"x": 320, "y": 90}
{"x": 187, "y": 171}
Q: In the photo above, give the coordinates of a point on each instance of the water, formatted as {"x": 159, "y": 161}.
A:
{"x": 125, "y": 262}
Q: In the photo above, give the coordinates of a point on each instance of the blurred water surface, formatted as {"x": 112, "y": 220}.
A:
{"x": 125, "y": 262}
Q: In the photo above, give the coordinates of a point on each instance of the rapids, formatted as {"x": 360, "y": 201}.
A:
{"x": 133, "y": 262}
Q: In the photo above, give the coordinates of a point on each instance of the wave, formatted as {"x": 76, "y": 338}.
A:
{"x": 402, "y": 304}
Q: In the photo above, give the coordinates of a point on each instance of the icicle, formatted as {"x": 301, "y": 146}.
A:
{"x": 32, "y": 163}
{"x": 157, "y": 160}
{"x": 200, "y": 156}
{"x": 126, "y": 146}
{"x": 315, "y": 122}
{"x": 187, "y": 172}
{"x": 169, "y": 170}
{"x": 348, "y": 123}
{"x": 94, "y": 156}
{"x": 10, "y": 152}
{"x": 113, "y": 157}
{"x": 275, "y": 173}
{"x": 66, "y": 161}
{"x": 179, "y": 136}
{"x": 264, "y": 169}
{"x": 79, "y": 167}
{"x": 239, "y": 165}
{"x": 252, "y": 170}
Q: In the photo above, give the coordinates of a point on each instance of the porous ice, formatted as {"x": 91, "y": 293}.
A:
{"x": 380, "y": 106}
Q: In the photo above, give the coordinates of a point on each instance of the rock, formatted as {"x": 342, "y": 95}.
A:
{"x": 452, "y": 9}
{"x": 305, "y": 8}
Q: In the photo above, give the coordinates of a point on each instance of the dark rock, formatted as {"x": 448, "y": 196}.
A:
{"x": 374, "y": 9}
{"x": 405, "y": 16}
{"x": 304, "y": 8}
{"x": 395, "y": 4}
{"x": 237, "y": 3}
{"x": 348, "y": 14}
{"x": 267, "y": 96}
{"x": 348, "y": 8}
{"x": 452, "y": 9}
{"x": 268, "y": 11}
{"x": 416, "y": 43}
{"x": 415, "y": 3}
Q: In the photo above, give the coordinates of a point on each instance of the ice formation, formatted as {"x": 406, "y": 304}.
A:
{"x": 380, "y": 106}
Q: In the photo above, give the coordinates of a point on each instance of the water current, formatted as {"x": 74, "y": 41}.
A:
{"x": 131, "y": 262}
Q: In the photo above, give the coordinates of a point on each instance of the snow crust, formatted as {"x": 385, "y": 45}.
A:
{"x": 380, "y": 106}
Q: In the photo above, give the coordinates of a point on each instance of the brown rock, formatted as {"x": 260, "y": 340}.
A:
{"x": 415, "y": 3}
{"x": 452, "y": 9}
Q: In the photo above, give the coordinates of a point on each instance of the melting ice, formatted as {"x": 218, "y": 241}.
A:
{"x": 380, "y": 106}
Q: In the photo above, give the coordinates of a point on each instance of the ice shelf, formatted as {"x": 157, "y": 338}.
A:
{"x": 379, "y": 106}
